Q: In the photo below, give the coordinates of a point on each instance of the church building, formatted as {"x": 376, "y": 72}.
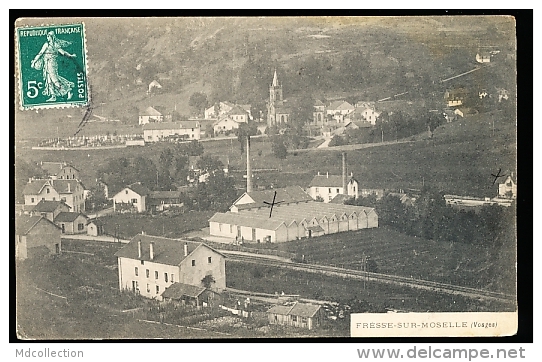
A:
{"x": 277, "y": 111}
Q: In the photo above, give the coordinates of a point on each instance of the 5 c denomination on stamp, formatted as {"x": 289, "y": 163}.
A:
{"x": 52, "y": 66}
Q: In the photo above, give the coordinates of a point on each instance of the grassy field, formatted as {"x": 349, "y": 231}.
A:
{"x": 381, "y": 297}
{"x": 130, "y": 225}
{"x": 403, "y": 255}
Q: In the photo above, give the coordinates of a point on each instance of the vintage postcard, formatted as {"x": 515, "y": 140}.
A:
{"x": 265, "y": 177}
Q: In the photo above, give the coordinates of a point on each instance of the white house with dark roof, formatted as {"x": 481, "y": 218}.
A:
{"x": 328, "y": 186}
{"x": 155, "y": 132}
{"x": 149, "y": 265}
{"x": 132, "y": 198}
{"x": 255, "y": 199}
{"x": 508, "y": 189}
{"x": 60, "y": 170}
{"x": 150, "y": 114}
{"x": 72, "y": 192}
{"x": 72, "y": 222}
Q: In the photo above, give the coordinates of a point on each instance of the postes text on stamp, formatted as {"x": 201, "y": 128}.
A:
{"x": 52, "y": 66}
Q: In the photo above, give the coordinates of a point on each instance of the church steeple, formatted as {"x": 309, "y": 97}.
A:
{"x": 275, "y": 79}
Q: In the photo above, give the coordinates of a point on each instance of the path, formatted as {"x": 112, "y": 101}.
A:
{"x": 357, "y": 146}
{"x": 325, "y": 144}
{"x": 101, "y": 213}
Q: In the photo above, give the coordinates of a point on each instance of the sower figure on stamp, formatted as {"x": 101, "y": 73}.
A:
{"x": 46, "y": 59}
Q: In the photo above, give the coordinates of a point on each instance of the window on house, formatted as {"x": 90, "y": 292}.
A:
{"x": 32, "y": 200}
{"x": 231, "y": 229}
{"x": 329, "y": 190}
{"x": 156, "y": 274}
{"x": 148, "y": 288}
{"x": 157, "y": 289}
{"x": 209, "y": 260}
{"x": 48, "y": 191}
{"x": 54, "y": 198}
{"x": 172, "y": 278}
{"x": 219, "y": 227}
{"x": 62, "y": 199}
{"x": 142, "y": 262}
{"x": 147, "y": 272}
{"x": 294, "y": 318}
{"x": 136, "y": 271}
{"x": 193, "y": 262}
{"x": 43, "y": 198}
{"x": 354, "y": 188}
{"x": 134, "y": 201}
{"x": 80, "y": 226}
{"x": 165, "y": 277}
{"x": 126, "y": 192}
{"x": 337, "y": 190}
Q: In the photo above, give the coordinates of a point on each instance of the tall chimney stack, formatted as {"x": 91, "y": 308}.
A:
{"x": 185, "y": 249}
{"x": 249, "y": 167}
{"x": 151, "y": 250}
{"x": 139, "y": 249}
{"x": 344, "y": 174}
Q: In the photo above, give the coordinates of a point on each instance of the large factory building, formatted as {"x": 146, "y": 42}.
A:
{"x": 294, "y": 216}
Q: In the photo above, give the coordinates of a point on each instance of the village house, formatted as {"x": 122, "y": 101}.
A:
{"x": 49, "y": 209}
{"x": 60, "y": 170}
{"x": 72, "y": 222}
{"x": 150, "y": 115}
{"x": 185, "y": 130}
{"x": 132, "y": 198}
{"x": 339, "y": 109}
{"x": 328, "y": 186}
{"x": 369, "y": 115}
{"x": 149, "y": 265}
{"x": 221, "y": 107}
{"x": 465, "y": 112}
{"x": 231, "y": 120}
{"x": 95, "y": 227}
{"x": 404, "y": 198}
{"x": 154, "y": 85}
{"x": 72, "y": 192}
{"x": 508, "y": 189}
{"x": 455, "y": 97}
{"x": 162, "y": 200}
{"x": 36, "y": 236}
{"x": 483, "y": 56}
{"x": 366, "y": 192}
{"x": 302, "y": 315}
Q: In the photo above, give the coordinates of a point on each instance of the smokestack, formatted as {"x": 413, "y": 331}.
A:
{"x": 185, "y": 249}
{"x": 69, "y": 188}
{"x": 139, "y": 249}
{"x": 249, "y": 167}
{"x": 344, "y": 174}
{"x": 151, "y": 250}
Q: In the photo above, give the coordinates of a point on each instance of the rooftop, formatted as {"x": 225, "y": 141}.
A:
{"x": 166, "y": 251}
{"x": 285, "y": 195}
{"x": 178, "y": 290}
{"x": 68, "y": 216}
{"x": 298, "y": 309}
{"x": 48, "y": 206}
{"x": 24, "y": 223}
{"x": 150, "y": 111}
{"x": 328, "y": 181}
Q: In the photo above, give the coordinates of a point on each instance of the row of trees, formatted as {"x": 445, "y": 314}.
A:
{"x": 431, "y": 218}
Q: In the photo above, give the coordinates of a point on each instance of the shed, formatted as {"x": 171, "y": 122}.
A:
{"x": 188, "y": 294}
{"x": 95, "y": 227}
{"x": 36, "y": 236}
{"x": 302, "y": 315}
{"x": 72, "y": 222}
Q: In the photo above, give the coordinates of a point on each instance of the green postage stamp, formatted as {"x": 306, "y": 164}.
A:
{"x": 52, "y": 66}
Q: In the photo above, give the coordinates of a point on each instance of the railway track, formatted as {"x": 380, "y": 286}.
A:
{"x": 383, "y": 278}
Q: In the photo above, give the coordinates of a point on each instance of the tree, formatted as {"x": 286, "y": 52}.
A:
{"x": 96, "y": 199}
{"x": 209, "y": 164}
{"x": 245, "y": 130}
{"x": 166, "y": 159}
{"x": 278, "y": 148}
{"x": 198, "y": 101}
{"x": 208, "y": 281}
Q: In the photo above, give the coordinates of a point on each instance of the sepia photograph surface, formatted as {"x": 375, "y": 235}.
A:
{"x": 221, "y": 178}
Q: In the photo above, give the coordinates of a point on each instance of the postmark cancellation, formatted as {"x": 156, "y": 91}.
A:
{"x": 52, "y": 66}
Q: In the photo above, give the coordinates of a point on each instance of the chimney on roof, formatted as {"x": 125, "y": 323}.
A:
{"x": 327, "y": 174}
{"x": 139, "y": 249}
{"x": 143, "y": 233}
{"x": 344, "y": 174}
{"x": 185, "y": 249}
{"x": 151, "y": 250}
{"x": 318, "y": 173}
